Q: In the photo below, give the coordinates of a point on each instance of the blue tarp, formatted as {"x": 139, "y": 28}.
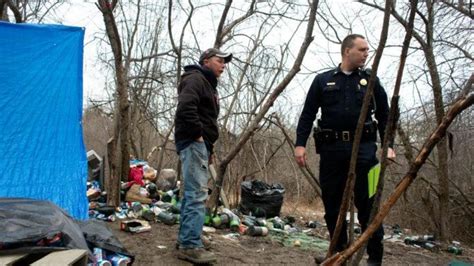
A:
{"x": 42, "y": 153}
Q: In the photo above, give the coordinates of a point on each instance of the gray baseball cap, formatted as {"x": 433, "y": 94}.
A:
{"x": 214, "y": 52}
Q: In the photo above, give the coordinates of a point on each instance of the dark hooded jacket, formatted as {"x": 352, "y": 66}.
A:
{"x": 198, "y": 107}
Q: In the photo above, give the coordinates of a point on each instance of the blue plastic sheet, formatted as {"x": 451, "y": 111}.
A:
{"x": 42, "y": 153}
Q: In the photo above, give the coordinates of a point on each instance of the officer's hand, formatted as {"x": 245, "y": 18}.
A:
{"x": 300, "y": 155}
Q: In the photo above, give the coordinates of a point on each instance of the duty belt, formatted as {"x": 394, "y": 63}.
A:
{"x": 329, "y": 135}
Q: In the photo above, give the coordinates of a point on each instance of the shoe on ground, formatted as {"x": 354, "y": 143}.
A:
{"x": 196, "y": 255}
{"x": 206, "y": 242}
{"x": 318, "y": 259}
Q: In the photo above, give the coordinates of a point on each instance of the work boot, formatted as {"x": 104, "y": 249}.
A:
{"x": 196, "y": 255}
{"x": 318, "y": 259}
{"x": 206, "y": 242}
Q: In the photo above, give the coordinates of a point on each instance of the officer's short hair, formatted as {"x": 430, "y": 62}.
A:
{"x": 348, "y": 42}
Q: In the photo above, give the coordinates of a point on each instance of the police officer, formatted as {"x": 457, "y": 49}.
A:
{"x": 340, "y": 93}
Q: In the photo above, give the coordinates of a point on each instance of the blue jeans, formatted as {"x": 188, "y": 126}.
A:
{"x": 194, "y": 160}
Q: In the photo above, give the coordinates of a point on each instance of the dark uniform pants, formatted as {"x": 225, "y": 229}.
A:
{"x": 334, "y": 167}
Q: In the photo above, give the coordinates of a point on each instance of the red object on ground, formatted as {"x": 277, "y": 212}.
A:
{"x": 136, "y": 175}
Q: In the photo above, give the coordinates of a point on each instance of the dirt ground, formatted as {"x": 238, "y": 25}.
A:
{"x": 157, "y": 247}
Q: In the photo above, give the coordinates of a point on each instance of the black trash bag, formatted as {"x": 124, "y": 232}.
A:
{"x": 36, "y": 226}
{"x": 97, "y": 234}
{"x": 261, "y": 199}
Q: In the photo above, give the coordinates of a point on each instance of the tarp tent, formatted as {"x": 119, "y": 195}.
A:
{"x": 42, "y": 153}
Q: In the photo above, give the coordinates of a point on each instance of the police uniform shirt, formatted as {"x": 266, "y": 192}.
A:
{"x": 340, "y": 97}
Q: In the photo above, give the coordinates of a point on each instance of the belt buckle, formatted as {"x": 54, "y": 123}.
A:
{"x": 346, "y": 136}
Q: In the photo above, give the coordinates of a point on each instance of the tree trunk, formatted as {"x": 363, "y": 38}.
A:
{"x": 112, "y": 182}
{"x": 442, "y": 147}
{"x": 122, "y": 118}
{"x": 213, "y": 198}
{"x": 3, "y": 10}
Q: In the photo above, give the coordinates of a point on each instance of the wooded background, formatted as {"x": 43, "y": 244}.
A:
{"x": 142, "y": 46}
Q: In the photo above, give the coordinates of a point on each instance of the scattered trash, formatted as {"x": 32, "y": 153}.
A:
{"x": 167, "y": 180}
{"x": 297, "y": 243}
{"x": 261, "y": 199}
{"x": 234, "y": 222}
{"x": 165, "y": 217}
{"x": 455, "y": 248}
{"x": 208, "y": 229}
{"x": 397, "y": 229}
{"x": 135, "y": 226}
{"x": 119, "y": 260}
{"x": 257, "y": 231}
{"x": 277, "y": 223}
{"x": 232, "y": 236}
{"x": 312, "y": 224}
{"x": 221, "y": 220}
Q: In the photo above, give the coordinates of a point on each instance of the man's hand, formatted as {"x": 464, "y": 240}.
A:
{"x": 212, "y": 158}
{"x": 200, "y": 139}
{"x": 391, "y": 154}
{"x": 300, "y": 155}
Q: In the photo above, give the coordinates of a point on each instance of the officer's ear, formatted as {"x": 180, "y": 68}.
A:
{"x": 346, "y": 51}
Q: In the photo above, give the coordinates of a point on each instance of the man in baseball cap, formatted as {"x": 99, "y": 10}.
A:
{"x": 214, "y": 52}
{"x": 196, "y": 131}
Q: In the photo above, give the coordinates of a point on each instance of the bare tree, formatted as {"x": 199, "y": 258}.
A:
{"x": 254, "y": 125}
{"x": 119, "y": 153}
{"x": 28, "y": 10}
{"x": 431, "y": 16}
